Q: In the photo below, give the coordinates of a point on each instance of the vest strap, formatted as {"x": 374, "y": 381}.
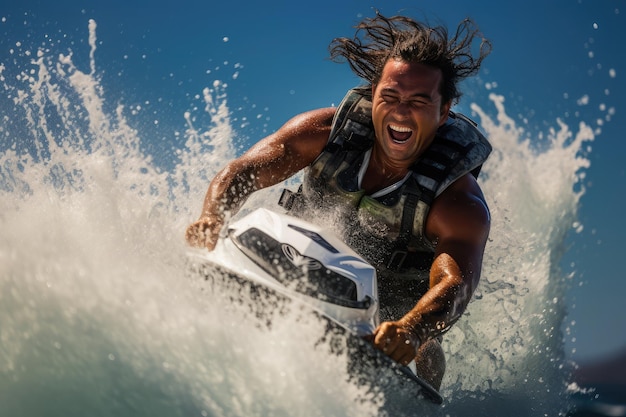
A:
{"x": 458, "y": 148}
{"x": 398, "y": 256}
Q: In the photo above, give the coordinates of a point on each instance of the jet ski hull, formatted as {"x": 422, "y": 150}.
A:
{"x": 337, "y": 286}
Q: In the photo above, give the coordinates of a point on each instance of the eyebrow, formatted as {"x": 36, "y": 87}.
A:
{"x": 416, "y": 95}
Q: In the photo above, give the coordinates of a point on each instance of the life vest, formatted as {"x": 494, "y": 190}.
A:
{"x": 331, "y": 180}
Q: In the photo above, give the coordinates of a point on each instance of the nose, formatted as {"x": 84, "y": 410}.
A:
{"x": 403, "y": 108}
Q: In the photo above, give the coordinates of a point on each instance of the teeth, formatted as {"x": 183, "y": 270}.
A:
{"x": 400, "y": 134}
{"x": 400, "y": 128}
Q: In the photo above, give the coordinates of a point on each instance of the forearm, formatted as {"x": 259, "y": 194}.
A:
{"x": 444, "y": 302}
{"x": 226, "y": 194}
{"x": 228, "y": 191}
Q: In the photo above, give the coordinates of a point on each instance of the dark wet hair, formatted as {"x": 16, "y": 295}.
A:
{"x": 379, "y": 39}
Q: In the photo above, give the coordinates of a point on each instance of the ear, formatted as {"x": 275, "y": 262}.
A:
{"x": 445, "y": 111}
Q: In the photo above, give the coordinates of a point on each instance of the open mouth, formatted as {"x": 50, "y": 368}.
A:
{"x": 399, "y": 134}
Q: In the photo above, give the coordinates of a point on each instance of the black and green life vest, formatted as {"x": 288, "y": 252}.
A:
{"x": 458, "y": 148}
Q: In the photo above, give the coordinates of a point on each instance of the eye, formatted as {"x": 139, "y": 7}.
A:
{"x": 418, "y": 103}
{"x": 388, "y": 98}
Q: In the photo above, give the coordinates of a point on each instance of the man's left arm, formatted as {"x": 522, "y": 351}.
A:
{"x": 458, "y": 225}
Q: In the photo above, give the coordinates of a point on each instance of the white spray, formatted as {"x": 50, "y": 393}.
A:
{"x": 98, "y": 318}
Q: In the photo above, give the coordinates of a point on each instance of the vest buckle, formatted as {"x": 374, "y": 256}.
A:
{"x": 286, "y": 199}
{"x": 396, "y": 260}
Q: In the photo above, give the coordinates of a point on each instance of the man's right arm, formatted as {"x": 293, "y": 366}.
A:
{"x": 272, "y": 160}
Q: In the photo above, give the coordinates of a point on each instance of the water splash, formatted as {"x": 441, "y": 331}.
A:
{"x": 97, "y": 317}
{"x": 512, "y": 338}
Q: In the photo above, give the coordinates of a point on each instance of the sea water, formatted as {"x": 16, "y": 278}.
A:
{"x": 97, "y": 315}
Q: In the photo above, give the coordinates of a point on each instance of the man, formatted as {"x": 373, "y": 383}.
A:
{"x": 399, "y": 166}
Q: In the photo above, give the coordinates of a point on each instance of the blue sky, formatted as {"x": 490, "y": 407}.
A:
{"x": 547, "y": 54}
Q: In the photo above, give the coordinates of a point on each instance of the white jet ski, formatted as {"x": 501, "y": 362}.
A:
{"x": 288, "y": 258}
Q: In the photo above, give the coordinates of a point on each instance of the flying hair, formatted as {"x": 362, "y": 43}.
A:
{"x": 379, "y": 39}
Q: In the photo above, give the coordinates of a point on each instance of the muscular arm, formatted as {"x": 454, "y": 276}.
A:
{"x": 273, "y": 159}
{"x": 459, "y": 224}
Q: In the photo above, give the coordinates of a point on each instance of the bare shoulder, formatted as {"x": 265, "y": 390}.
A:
{"x": 311, "y": 121}
{"x": 306, "y": 134}
{"x": 292, "y": 147}
{"x": 460, "y": 213}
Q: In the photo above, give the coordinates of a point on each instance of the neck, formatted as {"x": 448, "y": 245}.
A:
{"x": 386, "y": 168}
{"x": 381, "y": 174}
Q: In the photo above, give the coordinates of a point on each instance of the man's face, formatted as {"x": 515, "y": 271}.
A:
{"x": 407, "y": 110}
